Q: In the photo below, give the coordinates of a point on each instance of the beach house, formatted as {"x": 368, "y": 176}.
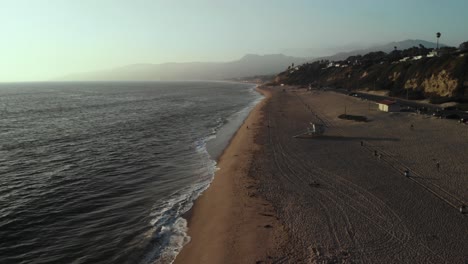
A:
{"x": 388, "y": 106}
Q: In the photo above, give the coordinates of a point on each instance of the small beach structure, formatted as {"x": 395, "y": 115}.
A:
{"x": 388, "y": 106}
{"x": 406, "y": 173}
{"x": 313, "y": 130}
{"x": 463, "y": 209}
{"x": 316, "y": 129}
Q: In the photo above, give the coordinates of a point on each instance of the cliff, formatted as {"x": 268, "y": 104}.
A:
{"x": 439, "y": 78}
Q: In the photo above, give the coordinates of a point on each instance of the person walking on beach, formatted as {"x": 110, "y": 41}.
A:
{"x": 438, "y": 166}
{"x": 375, "y": 153}
{"x": 362, "y": 143}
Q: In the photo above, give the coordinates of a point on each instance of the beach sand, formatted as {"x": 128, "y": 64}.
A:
{"x": 229, "y": 222}
{"x": 328, "y": 199}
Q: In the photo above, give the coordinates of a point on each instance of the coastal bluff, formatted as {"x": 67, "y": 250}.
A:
{"x": 414, "y": 74}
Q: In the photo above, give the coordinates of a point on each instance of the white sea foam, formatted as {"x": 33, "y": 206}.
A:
{"x": 174, "y": 232}
{"x": 144, "y": 147}
{"x": 178, "y": 238}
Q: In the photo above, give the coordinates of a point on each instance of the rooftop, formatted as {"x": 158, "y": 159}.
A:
{"x": 387, "y": 102}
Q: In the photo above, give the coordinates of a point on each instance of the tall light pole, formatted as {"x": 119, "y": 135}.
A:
{"x": 438, "y": 36}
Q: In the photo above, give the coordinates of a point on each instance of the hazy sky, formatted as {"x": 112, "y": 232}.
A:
{"x": 43, "y": 39}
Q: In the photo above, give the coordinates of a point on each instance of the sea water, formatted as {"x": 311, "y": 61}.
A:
{"x": 102, "y": 172}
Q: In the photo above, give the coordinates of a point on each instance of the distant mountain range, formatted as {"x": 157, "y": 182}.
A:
{"x": 249, "y": 65}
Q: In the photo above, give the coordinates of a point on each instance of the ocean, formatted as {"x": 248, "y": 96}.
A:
{"x": 102, "y": 172}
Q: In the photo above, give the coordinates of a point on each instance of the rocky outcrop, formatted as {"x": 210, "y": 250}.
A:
{"x": 442, "y": 84}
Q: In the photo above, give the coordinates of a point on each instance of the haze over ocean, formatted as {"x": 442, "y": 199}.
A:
{"x": 101, "y": 172}
{"x": 44, "y": 40}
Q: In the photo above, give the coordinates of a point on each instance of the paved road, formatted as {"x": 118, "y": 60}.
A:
{"x": 427, "y": 108}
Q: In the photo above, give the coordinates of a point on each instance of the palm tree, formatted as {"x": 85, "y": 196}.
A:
{"x": 438, "y": 36}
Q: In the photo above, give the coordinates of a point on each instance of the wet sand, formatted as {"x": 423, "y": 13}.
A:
{"x": 332, "y": 200}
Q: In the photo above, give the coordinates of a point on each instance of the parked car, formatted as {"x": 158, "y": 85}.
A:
{"x": 453, "y": 116}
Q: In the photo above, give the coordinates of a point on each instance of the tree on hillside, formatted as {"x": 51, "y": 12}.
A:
{"x": 423, "y": 50}
{"x": 374, "y": 57}
{"x": 463, "y": 46}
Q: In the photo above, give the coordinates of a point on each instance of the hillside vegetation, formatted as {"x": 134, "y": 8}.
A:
{"x": 416, "y": 72}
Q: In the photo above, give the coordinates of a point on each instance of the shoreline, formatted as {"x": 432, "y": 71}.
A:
{"x": 334, "y": 199}
{"x": 228, "y": 222}
{"x": 227, "y": 131}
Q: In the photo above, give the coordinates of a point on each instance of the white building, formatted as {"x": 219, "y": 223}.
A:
{"x": 388, "y": 106}
{"x": 433, "y": 53}
{"x": 405, "y": 59}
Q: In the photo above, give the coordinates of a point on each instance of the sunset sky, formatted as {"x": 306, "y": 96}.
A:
{"x": 44, "y": 39}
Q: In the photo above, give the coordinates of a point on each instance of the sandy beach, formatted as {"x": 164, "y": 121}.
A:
{"x": 330, "y": 199}
{"x": 230, "y": 222}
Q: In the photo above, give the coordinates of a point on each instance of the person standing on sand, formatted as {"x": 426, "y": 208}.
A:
{"x": 406, "y": 172}
{"x": 438, "y": 166}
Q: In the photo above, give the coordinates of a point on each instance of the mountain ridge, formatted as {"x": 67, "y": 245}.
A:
{"x": 247, "y": 65}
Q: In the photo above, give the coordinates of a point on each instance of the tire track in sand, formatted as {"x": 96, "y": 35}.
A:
{"x": 402, "y": 236}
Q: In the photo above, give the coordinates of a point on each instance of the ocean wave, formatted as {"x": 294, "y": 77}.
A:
{"x": 175, "y": 232}
{"x": 110, "y": 183}
{"x": 170, "y": 228}
{"x": 178, "y": 238}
